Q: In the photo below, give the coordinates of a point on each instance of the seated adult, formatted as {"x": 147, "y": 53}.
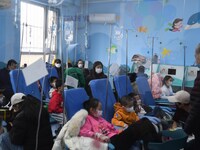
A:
{"x": 95, "y": 73}
{"x": 58, "y": 68}
{"x": 141, "y": 70}
{"x": 26, "y": 133}
{"x": 155, "y": 83}
{"x": 80, "y": 64}
{"x": 76, "y": 73}
{"x": 5, "y": 79}
{"x": 182, "y": 101}
{"x": 167, "y": 87}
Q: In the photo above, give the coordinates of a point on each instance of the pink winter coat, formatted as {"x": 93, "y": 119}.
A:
{"x": 97, "y": 125}
{"x": 156, "y": 85}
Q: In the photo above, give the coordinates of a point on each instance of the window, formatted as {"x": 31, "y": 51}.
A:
{"x": 38, "y": 32}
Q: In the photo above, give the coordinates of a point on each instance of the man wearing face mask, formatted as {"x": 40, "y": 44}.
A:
{"x": 5, "y": 79}
{"x": 23, "y": 126}
{"x": 95, "y": 73}
{"x": 124, "y": 113}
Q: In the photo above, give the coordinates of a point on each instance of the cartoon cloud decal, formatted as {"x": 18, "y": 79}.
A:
{"x": 193, "y": 22}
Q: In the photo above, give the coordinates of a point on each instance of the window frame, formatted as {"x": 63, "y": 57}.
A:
{"x": 45, "y": 30}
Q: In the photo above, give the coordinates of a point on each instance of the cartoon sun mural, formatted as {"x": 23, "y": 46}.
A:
{"x": 165, "y": 52}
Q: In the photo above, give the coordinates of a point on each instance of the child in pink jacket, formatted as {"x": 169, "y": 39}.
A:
{"x": 98, "y": 128}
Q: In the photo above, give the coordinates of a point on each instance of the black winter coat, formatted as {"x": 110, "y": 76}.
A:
{"x": 193, "y": 122}
{"x": 25, "y": 125}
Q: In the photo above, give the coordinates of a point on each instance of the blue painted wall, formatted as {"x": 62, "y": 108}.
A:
{"x": 10, "y": 29}
{"x": 10, "y": 33}
{"x": 156, "y": 16}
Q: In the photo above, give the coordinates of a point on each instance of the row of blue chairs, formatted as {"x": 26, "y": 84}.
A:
{"x": 19, "y": 85}
{"x": 101, "y": 89}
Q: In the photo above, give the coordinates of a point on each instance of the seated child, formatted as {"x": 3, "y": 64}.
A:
{"x": 52, "y": 82}
{"x": 98, "y": 128}
{"x": 55, "y": 107}
{"x": 124, "y": 113}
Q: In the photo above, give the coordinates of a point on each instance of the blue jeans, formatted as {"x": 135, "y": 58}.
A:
{"x": 7, "y": 145}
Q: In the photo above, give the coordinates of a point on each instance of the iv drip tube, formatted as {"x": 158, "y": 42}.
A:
{"x": 107, "y": 82}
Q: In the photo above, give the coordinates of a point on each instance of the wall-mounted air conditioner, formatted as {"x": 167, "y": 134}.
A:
{"x": 102, "y": 18}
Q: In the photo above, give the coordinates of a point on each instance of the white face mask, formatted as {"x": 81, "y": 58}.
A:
{"x": 98, "y": 70}
{"x": 57, "y": 65}
{"x": 98, "y": 113}
{"x": 169, "y": 83}
{"x": 54, "y": 84}
{"x": 131, "y": 109}
{"x": 80, "y": 65}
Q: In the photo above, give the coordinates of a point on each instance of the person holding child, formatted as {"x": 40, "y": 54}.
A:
{"x": 98, "y": 128}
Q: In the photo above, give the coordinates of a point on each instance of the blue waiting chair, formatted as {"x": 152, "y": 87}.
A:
{"x": 101, "y": 89}
{"x": 73, "y": 100}
{"x": 122, "y": 85}
{"x": 175, "y": 140}
{"x": 45, "y": 81}
{"x": 19, "y": 84}
{"x": 146, "y": 95}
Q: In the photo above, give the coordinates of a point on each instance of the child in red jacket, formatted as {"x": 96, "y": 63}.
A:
{"x": 55, "y": 107}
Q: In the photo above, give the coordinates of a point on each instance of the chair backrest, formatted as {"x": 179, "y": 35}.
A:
{"x": 122, "y": 85}
{"x": 45, "y": 81}
{"x": 145, "y": 91}
{"x": 177, "y": 141}
{"x": 101, "y": 89}
{"x": 73, "y": 100}
{"x": 19, "y": 84}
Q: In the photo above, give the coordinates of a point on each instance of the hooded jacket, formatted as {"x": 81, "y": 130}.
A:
{"x": 56, "y": 103}
{"x": 122, "y": 117}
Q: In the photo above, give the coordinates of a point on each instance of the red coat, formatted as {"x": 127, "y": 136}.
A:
{"x": 56, "y": 103}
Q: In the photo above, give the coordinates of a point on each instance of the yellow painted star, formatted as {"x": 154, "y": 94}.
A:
{"x": 165, "y": 52}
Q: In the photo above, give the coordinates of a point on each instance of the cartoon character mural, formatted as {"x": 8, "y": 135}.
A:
{"x": 193, "y": 21}
{"x": 176, "y": 25}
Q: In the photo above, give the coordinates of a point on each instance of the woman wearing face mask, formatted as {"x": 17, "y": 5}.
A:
{"x": 167, "y": 87}
{"x": 58, "y": 68}
{"x": 80, "y": 65}
{"x": 98, "y": 128}
{"x": 95, "y": 73}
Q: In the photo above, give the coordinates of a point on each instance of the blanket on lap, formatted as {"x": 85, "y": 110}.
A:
{"x": 69, "y": 135}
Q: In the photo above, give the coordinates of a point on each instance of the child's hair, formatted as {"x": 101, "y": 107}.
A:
{"x": 167, "y": 77}
{"x": 91, "y": 103}
{"x": 58, "y": 83}
{"x": 52, "y": 79}
{"x": 126, "y": 99}
{"x": 132, "y": 94}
